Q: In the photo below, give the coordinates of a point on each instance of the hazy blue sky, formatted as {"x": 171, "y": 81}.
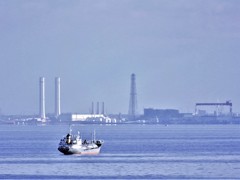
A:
{"x": 182, "y": 52}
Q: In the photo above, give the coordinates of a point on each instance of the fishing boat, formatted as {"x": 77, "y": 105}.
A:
{"x": 74, "y": 144}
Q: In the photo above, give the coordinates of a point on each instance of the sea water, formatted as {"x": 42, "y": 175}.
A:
{"x": 128, "y": 152}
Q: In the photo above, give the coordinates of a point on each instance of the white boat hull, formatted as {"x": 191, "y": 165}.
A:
{"x": 79, "y": 150}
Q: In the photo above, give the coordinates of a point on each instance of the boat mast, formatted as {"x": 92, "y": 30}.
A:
{"x": 94, "y": 136}
{"x": 70, "y": 129}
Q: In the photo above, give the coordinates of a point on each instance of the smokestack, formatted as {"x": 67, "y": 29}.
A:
{"x": 103, "y": 108}
{"x": 132, "y": 112}
{"x": 42, "y": 98}
{"x": 92, "y": 107}
{"x": 57, "y": 97}
{"x": 97, "y": 108}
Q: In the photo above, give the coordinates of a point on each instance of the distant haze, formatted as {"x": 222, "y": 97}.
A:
{"x": 182, "y": 52}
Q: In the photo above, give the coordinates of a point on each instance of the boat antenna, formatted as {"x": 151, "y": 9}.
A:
{"x": 94, "y": 135}
{"x": 70, "y": 129}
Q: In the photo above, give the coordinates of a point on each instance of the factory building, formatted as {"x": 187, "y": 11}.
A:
{"x": 88, "y": 118}
{"x": 161, "y": 113}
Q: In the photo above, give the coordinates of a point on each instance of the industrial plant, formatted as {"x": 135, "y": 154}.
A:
{"x": 96, "y": 116}
{"x": 217, "y": 115}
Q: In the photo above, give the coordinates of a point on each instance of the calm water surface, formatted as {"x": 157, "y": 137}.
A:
{"x": 129, "y": 152}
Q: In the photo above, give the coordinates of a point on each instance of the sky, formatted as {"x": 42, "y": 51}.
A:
{"x": 182, "y": 52}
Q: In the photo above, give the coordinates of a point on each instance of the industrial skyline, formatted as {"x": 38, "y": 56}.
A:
{"x": 133, "y": 107}
{"x": 182, "y": 52}
{"x": 100, "y": 108}
{"x": 151, "y": 115}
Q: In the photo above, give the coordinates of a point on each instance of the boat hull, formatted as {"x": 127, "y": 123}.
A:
{"x": 67, "y": 150}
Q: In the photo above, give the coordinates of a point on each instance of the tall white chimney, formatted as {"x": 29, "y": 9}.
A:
{"x": 57, "y": 97}
{"x": 42, "y": 98}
